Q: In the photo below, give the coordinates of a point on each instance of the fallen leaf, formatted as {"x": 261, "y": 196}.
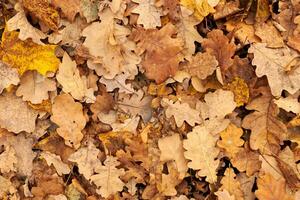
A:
{"x": 162, "y": 52}
{"x": 86, "y": 159}
{"x": 69, "y": 7}
{"x": 68, "y": 115}
{"x": 149, "y": 14}
{"x": 224, "y": 195}
{"x": 55, "y": 160}
{"x": 89, "y": 9}
{"x": 202, "y": 65}
{"x": 200, "y": 8}
{"x": 240, "y": 90}
{"x": 219, "y": 46}
{"x": 171, "y": 148}
{"x": 289, "y": 104}
{"x": 273, "y": 63}
{"x": 27, "y": 31}
{"x": 231, "y": 140}
{"x": 231, "y": 184}
{"x": 269, "y": 34}
{"x": 107, "y": 177}
{"x": 119, "y": 82}
{"x": 181, "y": 112}
{"x": 269, "y": 188}
{"x": 16, "y": 115}
{"x": 201, "y": 151}
{"x": 26, "y": 55}
{"x": 8, "y": 76}
{"x": 42, "y": 10}
{"x": 34, "y": 87}
{"x": 68, "y": 76}
{"x": 8, "y": 160}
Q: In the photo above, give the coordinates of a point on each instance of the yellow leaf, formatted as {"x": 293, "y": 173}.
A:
{"x": 240, "y": 90}
{"x": 26, "y": 55}
{"x": 201, "y": 8}
{"x": 231, "y": 140}
{"x": 45, "y": 106}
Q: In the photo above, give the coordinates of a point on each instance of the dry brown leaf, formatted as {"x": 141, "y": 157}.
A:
{"x": 162, "y": 52}
{"x": 119, "y": 82}
{"x": 42, "y": 10}
{"x": 34, "y": 87}
{"x": 8, "y": 76}
{"x": 242, "y": 31}
{"x": 269, "y": 34}
{"x": 275, "y": 64}
{"x": 181, "y": 112}
{"x": 15, "y": 114}
{"x": 201, "y": 151}
{"x": 86, "y": 159}
{"x": 171, "y": 148}
{"x": 202, "y": 65}
{"x": 55, "y": 160}
{"x": 271, "y": 189}
{"x": 8, "y": 160}
{"x": 69, "y": 7}
{"x": 224, "y": 195}
{"x": 267, "y": 131}
{"x": 247, "y": 160}
{"x": 19, "y": 21}
{"x": 220, "y": 46}
{"x": 231, "y": 184}
{"x": 7, "y": 189}
{"x": 104, "y": 102}
{"x": 23, "y": 152}
{"x": 149, "y": 14}
{"x": 68, "y": 115}
{"x": 108, "y": 177}
{"x": 231, "y": 140}
{"x": 226, "y": 8}
{"x": 68, "y": 76}
{"x": 169, "y": 181}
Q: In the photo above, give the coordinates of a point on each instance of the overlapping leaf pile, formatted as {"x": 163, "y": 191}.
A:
{"x": 150, "y": 99}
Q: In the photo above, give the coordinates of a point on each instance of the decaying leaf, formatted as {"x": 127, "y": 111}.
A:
{"x": 68, "y": 115}
{"x": 201, "y": 151}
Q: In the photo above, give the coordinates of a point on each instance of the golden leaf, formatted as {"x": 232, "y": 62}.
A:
{"x": 26, "y": 55}
{"x": 240, "y": 90}
{"x": 231, "y": 140}
{"x": 201, "y": 8}
{"x": 231, "y": 184}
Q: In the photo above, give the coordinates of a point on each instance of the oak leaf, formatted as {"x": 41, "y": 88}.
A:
{"x": 26, "y": 55}
{"x": 68, "y": 76}
{"x": 246, "y": 160}
{"x": 275, "y": 64}
{"x": 108, "y": 177}
{"x": 217, "y": 105}
{"x": 55, "y": 160}
{"x": 16, "y": 115}
{"x": 202, "y": 153}
{"x": 269, "y": 34}
{"x": 267, "y": 131}
{"x": 270, "y": 188}
{"x": 34, "y": 87}
{"x": 118, "y": 82}
{"x": 8, "y": 160}
{"x": 240, "y": 90}
{"x": 86, "y": 159}
{"x": 162, "y": 52}
{"x": 171, "y": 148}
{"x": 289, "y": 104}
{"x": 149, "y": 14}
{"x": 200, "y": 8}
{"x": 137, "y": 104}
{"x": 181, "y": 112}
{"x": 27, "y": 31}
{"x": 6, "y": 188}
{"x": 69, "y": 7}
{"x": 68, "y": 115}
{"x": 202, "y": 65}
{"x": 187, "y": 31}
{"x": 231, "y": 184}
{"x": 231, "y": 140}
{"x": 224, "y": 195}
{"x": 220, "y": 46}
{"x": 23, "y": 152}
{"x": 8, "y": 76}
{"x": 42, "y": 10}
